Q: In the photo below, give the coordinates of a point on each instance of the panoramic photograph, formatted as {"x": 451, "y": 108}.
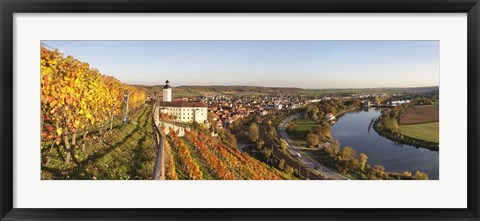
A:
{"x": 239, "y": 110}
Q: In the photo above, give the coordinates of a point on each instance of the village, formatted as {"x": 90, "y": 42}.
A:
{"x": 225, "y": 109}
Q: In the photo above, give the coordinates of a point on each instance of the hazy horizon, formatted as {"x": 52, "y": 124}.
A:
{"x": 173, "y": 86}
{"x": 292, "y": 64}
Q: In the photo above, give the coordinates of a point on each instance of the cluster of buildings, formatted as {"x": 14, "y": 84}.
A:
{"x": 224, "y": 109}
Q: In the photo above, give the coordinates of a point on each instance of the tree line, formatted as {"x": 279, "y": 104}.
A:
{"x": 316, "y": 112}
{"x": 347, "y": 161}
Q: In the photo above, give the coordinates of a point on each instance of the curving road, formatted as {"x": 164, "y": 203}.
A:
{"x": 296, "y": 151}
{"x": 304, "y": 170}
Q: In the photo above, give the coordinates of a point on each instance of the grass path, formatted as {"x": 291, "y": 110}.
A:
{"x": 125, "y": 153}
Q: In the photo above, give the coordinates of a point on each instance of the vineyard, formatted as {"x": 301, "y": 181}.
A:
{"x": 79, "y": 103}
{"x": 85, "y": 135}
{"x": 198, "y": 156}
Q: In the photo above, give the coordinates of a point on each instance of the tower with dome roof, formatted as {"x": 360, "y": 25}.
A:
{"x": 167, "y": 92}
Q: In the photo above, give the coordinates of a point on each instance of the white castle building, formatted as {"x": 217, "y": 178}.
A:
{"x": 183, "y": 111}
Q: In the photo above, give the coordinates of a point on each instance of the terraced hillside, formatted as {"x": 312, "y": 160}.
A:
{"x": 200, "y": 157}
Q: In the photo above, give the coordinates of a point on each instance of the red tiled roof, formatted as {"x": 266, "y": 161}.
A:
{"x": 182, "y": 104}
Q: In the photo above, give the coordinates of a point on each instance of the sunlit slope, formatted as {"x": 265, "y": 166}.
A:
{"x": 200, "y": 157}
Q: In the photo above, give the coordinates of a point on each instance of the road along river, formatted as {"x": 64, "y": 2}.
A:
{"x": 296, "y": 152}
{"x": 354, "y": 129}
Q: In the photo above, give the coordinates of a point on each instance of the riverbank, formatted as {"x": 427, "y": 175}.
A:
{"x": 354, "y": 130}
{"x": 345, "y": 162}
{"x": 304, "y": 126}
{"x": 401, "y": 138}
{"x": 339, "y": 115}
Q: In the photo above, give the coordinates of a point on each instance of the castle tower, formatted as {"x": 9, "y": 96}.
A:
{"x": 167, "y": 92}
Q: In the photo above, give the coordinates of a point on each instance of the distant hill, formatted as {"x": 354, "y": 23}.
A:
{"x": 194, "y": 90}
{"x": 225, "y": 90}
{"x": 423, "y": 90}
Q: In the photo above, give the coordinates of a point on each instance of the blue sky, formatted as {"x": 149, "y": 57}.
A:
{"x": 304, "y": 64}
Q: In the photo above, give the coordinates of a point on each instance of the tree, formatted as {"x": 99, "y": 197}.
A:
{"x": 334, "y": 111}
{"x": 292, "y": 127}
{"x": 421, "y": 176}
{"x": 236, "y": 127}
{"x": 271, "y": 131}
{"x": 281, "y": 164}
{"x": 336, "y": 147}
{"x": 257, "y": 119}
{"x": 379, "y": 171}
{"x": 322, "y": 131}
{"x": 312, "y": 140}
{"x": 312, "y": 114}
{"x": 320, "y": 114}
{"x": 322, "y": 137}
{"x": 317, "y": 130}
{"x": 289, "y": 170}
{"x": 283, "y": 144}
{"x": 394, "y": 124}
{"x": 228, "y": 138}
{"x": 260, "y": 144}
{"x": 253, "y": 132}
{"x": 377, "y": 100}
{"x": 393, "y": 113}
{"x": 348, "y": 153}
{"x": 267, "y": 153}
{"x": 362, "y": 160}
{"x": 314, "y": 117}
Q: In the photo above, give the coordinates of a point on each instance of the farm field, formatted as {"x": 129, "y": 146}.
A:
{"x": 420, "y": 114}
{"x": 425, "y": 131}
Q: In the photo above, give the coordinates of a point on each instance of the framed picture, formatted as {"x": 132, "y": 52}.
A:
{"x": 239, "y": 110}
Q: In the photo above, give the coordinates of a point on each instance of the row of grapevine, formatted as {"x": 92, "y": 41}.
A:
{"x": 189, "y": 166}
{"x": 76, "y": 98}
{"x": 220, "y": 168}
{"x": 250, "y": 167}
{"x": 225, "y": 163}
{"x": 169, "y": 162}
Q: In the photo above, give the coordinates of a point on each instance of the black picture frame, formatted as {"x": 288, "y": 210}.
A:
{"x": 9, "y": 7}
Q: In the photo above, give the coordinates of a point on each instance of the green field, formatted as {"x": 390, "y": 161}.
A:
{"x": 303, "y": 126}
{"x": 425, "y": 131}
{"x": 436, "y": 104}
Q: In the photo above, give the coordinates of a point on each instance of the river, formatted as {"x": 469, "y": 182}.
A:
{"x": 355, "y": 129}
